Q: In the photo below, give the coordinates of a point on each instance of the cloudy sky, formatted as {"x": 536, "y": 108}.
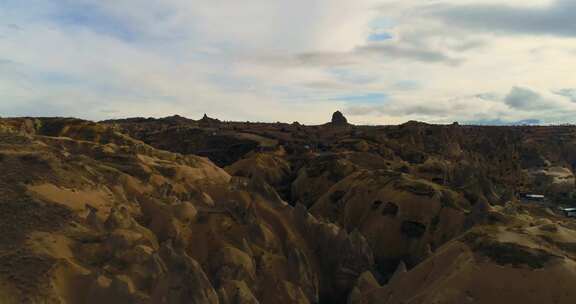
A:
{"x": 380, "y": 61}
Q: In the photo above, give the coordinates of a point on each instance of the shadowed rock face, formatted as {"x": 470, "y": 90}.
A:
{"x": 338, "y": 119}
{"x": 208, "y": 122}
{"x": 482, "y": 162}
{"x": 126, "y": 212}
{"x": 413, "y": 229}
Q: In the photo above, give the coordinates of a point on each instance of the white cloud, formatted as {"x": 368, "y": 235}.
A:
{"x": 275, "y": 60}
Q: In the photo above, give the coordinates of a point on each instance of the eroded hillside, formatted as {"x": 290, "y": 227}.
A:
{"x": 127, "y": 212}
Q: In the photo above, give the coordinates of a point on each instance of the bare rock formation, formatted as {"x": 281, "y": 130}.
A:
{"x": 338, "y": 119}
{"x": 124, "y": 212}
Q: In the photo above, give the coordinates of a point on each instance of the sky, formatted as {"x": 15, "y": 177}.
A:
{"x": 378, "y": 61}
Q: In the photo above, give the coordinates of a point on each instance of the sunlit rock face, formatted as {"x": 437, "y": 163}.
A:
{"x": 402, "y": 217}
{"x": 471, "y": 267}
{"x": 116, "y": 220}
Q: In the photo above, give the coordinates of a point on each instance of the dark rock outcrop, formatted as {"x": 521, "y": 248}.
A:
{"x": 208, "y": 121}
{"x": 338, "y": 119}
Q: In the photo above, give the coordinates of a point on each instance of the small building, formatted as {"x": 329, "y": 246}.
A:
{"x": 532, "y": 198}
{"x": 535, "y": 197}
{"x": 568, "y": 212}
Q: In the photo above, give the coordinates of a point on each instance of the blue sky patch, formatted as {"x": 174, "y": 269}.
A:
{"x": 376, "y": 37}
{"x": 67, "y": 14}
{"x": 95, "y": 19}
